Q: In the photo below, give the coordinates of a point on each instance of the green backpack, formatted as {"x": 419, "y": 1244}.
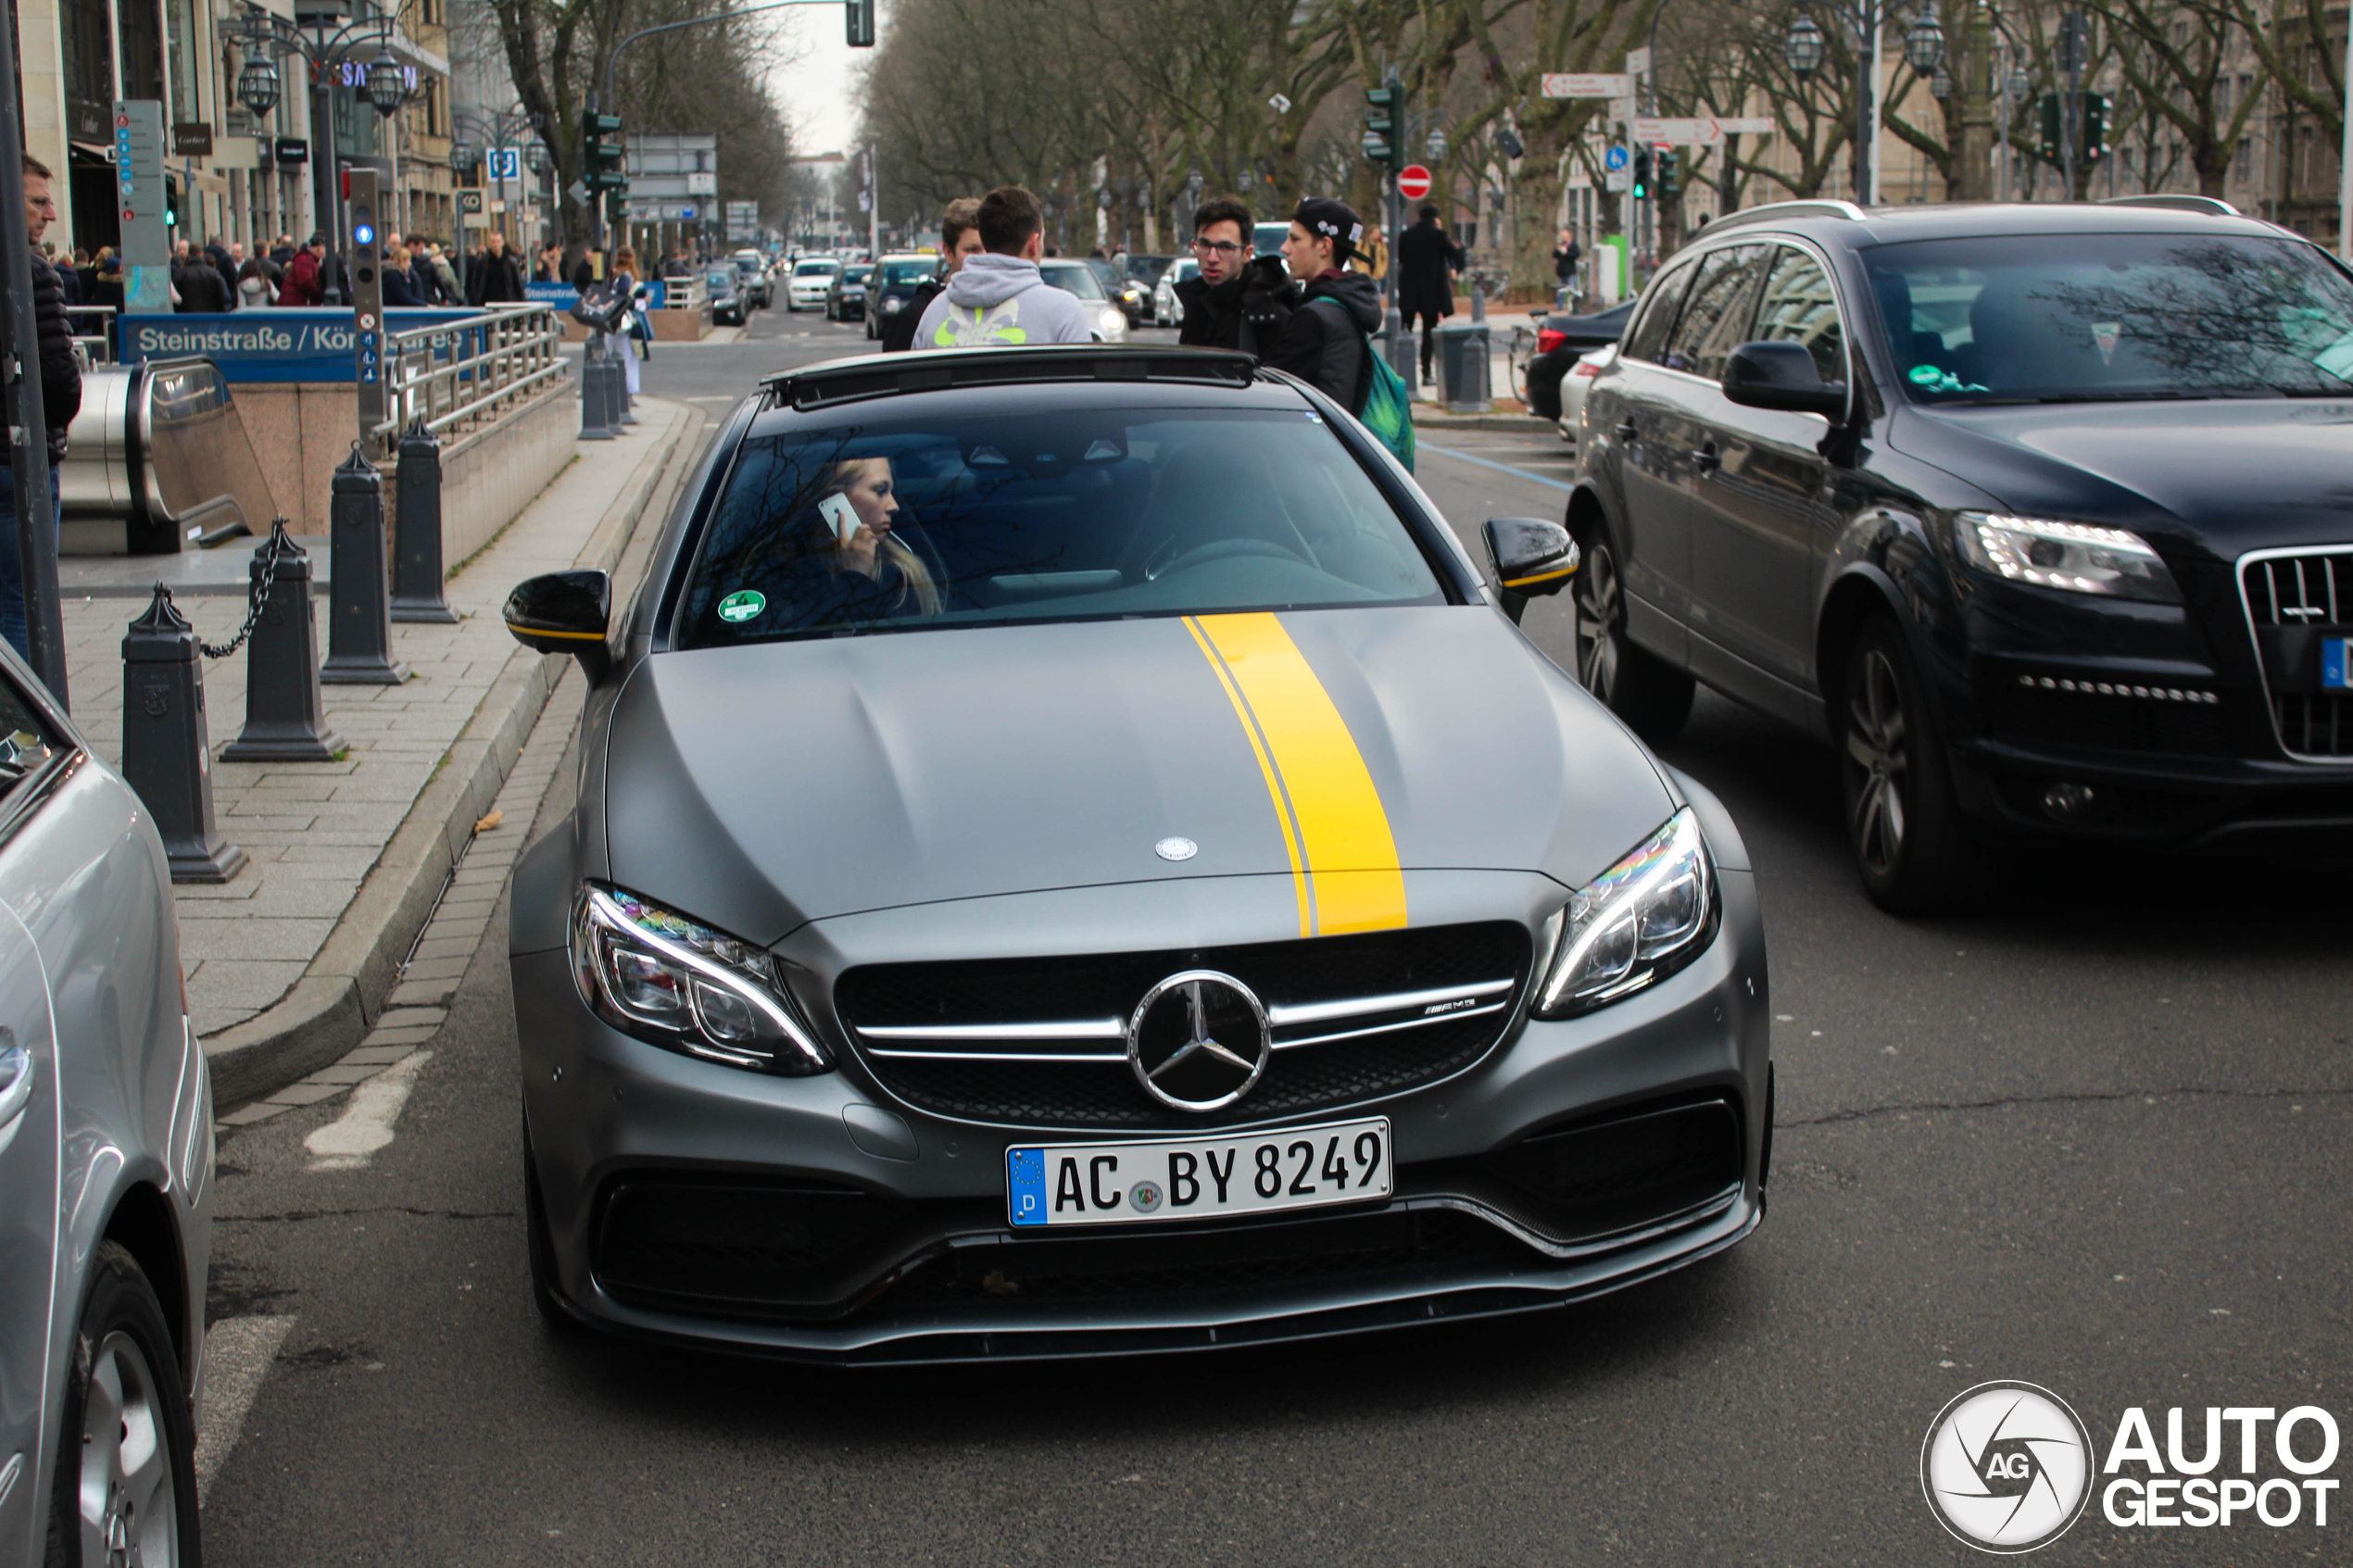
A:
{"x": 1386, "y": 404}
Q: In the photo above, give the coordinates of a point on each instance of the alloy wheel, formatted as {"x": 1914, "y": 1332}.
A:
{"x": 1601, "y": 609}
{"x": 129, "y": 1508}
{"x": 1878, "y": 762}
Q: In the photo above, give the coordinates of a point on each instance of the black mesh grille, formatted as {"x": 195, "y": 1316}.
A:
{"x": 2298, "y": 604}
{"x": 1105, "y": 1095}
{"x": 2315, "y": 724}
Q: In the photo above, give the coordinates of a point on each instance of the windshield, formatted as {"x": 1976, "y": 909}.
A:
{"x": 901, "y": 272}
{"x": 1055, "y": 516}
{"x": 2078, "y": 319}
{"x": 1266, "y": 239}
{"x": 721, "y": 277}
{"x": 815, "y": 268}
{"x": 1148, "y": 267}
{"x": 1075, "y": 276}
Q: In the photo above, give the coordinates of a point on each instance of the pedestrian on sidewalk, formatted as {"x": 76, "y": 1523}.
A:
{"x": 959, "y": 243}
{"x": 1213, "y": 301}
{"x": 254, "y": 291}
{"x": 499, "y": 279}
{"x": 1327, "y": 310}
{"x": 203, "y": 291}
{"x": 392, "y": 269}
{"x": 60, "y": 400}
{"x": 424, "y": 282}
{"x": 999, "y": 299}
{"x": 302, "y": 274}
{"x": 1427, "y": 262}
{"x": 623, "y": 345}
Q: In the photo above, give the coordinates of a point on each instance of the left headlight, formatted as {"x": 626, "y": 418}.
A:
{"x": 1113, "y": 323}
{"x": 658, "y": 976}
{"x": 2078, "y": 558}
{"x": 1633, "y": 925}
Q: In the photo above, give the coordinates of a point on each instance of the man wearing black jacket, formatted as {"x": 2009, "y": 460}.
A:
{"x": 1427, "y": 262}
{"x": 1317, "y": 322}
{"x": 60, "y": 398}
{"x": 498, "y": 277}
{"x": 203, "y": 291}
{"x": 959, "y": 237}
{"x": 1212, "y": 302}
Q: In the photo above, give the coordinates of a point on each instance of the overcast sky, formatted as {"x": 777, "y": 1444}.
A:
{"x": 818, "y": 89}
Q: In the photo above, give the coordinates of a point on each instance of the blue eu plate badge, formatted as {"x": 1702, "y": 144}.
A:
{"x": 2336, "y": 663}
{"x": 1026, "y": 1181}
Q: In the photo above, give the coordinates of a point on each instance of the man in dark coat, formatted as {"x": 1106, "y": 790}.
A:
{"x": 1319, "y": 319}
{"x": 1213, "y": 301}
{"x": 1427, "y": 261}
{"x": 959, "y": 237}
{"x": 498, "y": 279}
{"x": 60, "y": 397}
{"x": 203, "y": 291}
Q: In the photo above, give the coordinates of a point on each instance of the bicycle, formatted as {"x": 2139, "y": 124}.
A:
{"x": 1518, "y": 349}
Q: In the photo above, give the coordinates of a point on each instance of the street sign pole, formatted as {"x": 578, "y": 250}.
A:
{"x": 28, "y": 432}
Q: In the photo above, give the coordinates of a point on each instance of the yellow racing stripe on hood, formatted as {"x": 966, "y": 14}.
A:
{"x": 1330, "y": 813}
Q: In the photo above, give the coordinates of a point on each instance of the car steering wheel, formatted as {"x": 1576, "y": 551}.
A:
{"x": 1219, "y": 549}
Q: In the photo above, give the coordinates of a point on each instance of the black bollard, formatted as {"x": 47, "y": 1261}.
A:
{"x": 285, "y": 721}
{"x": 596, "y": 412}
{"x": 167, "y": 758}
{"x": 416, "y": 535}
{"x": 359, "y": 611}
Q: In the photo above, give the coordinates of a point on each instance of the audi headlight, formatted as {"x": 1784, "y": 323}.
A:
{"x": 658, "y": 976}
{"x": 1633, "y": 925}
{"x": 2079, "y": 557}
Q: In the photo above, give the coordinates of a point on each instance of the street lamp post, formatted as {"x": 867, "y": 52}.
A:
{"x": 1924, "y": 50}
{"x": 259, "y": 87}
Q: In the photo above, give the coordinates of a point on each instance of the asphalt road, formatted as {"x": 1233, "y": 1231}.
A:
{"x": 2092, "y": 1137}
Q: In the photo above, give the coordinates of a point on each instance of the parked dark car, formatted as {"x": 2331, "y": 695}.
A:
{"x": 727, "y": 303}
{"x": 2037, "y": 514}
{"x": 1561, "y": 341}
{"x": 845, "y": 301}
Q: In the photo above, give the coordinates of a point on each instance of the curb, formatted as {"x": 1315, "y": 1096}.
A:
{"x": 330, "y": 1009}
{"x": 1521, "y": 424}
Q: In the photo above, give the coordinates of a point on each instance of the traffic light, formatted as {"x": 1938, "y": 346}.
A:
{"x": 861, "y": 23}
{"x": 1642, "y": 173}
{"x": 1384, "y": 125}
{"x": 601, "y": 152}
{"x": 2090, "y": 129}
{"x": 1670, "y": 174}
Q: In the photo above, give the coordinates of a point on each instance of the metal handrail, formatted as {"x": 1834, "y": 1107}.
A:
{"x": 455, "y": 372}
{"x": 684, "y": 294}
{"x": 98, "y": 348}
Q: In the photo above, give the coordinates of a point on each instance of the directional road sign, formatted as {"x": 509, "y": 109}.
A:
{"x": 1588, "y": 84}
{"x": 1413, "y": 182}
{"x": 1702, "y": 133}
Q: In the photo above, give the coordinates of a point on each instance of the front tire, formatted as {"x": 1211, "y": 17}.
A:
{"x": 126, "y": 1485}
{"x": 1654, "y": 697}
{"x": 1903, "y": 824}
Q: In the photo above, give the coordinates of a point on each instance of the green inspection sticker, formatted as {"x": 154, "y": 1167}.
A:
{"x": 1922, "y": 376}
{"x": 743, "y": 605}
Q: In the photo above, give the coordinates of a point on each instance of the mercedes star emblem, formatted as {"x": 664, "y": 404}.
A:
{"x": 1176, "y": 849}
{"x": 1199, "y": 1040}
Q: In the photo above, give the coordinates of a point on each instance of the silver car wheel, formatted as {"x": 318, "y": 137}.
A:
{"x": 1598, "y": 612}
{"x": 130, "y": 1510}
{"x": 1875, "y": 745}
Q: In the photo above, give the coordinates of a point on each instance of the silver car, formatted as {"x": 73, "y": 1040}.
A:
{"x": 1073, "y": 857}
{"x": 106, "y": 1161}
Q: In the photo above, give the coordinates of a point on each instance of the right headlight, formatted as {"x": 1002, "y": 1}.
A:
{"x": 1633, "y": 925}
{"x": 2077, "y": 558}
{"x": 658, "y": 976}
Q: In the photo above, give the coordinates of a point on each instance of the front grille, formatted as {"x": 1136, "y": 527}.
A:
{"x": 1039, "y": 1042}
{"x": 2297, "y": 600}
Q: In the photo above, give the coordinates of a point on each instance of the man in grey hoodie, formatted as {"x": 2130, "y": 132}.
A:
{"x": 998, "y": 299}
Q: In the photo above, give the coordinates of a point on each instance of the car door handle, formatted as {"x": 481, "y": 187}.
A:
{"x": 1626, "y": 430}
{"x": 1705, "y": 459}
{"x": 16, "y": 1081}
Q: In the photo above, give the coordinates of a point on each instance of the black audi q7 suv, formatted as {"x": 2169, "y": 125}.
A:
{"x": 2041, "y": 515}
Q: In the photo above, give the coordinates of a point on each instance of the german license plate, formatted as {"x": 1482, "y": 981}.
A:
{"x": 1102, "y": 1183}
{"x": 2336, "y": 663}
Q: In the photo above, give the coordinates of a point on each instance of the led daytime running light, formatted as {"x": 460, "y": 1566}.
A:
{"x": 1637, "y": 922}
{"x": 659, "y": 932}
{"x": 2077, "y": 558}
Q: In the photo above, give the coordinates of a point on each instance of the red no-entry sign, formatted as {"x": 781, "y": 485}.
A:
{"x": 1413, "y": 182}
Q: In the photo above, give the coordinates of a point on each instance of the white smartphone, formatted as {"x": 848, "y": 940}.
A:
{"x": 838, "y": 510}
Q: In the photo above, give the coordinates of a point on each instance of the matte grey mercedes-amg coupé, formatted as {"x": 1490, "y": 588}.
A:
{"x": 1072, "y": 857}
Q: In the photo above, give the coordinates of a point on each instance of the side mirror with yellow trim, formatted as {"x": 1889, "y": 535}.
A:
{"x": 563, "y": 612}
{"x": 1533, "y": 558}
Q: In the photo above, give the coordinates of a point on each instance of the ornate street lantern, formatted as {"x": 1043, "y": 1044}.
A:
{"x": 1804, "y": 47}
{"x": 257, "y": 85}
{"x": 537, "y": 155}
{"x": 1924, "y": 46}
{"x": 463, "y": 155}
{"x": 387, "y": 88}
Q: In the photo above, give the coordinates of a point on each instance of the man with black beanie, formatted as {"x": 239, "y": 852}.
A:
{"x": 1316, "y": 321}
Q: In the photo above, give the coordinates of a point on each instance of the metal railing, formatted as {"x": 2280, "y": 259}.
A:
{"x": 685, "y": 294}
{"x": 459, "y": 376}
{"x": 97, "y": 348}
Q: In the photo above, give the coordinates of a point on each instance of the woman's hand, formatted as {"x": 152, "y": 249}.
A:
{"x": 859, "y": 550}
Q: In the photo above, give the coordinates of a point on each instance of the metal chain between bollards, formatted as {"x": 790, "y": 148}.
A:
{"x": 271, "y": 553}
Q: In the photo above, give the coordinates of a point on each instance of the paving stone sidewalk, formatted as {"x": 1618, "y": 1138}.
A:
{"x": 315, "y": 830}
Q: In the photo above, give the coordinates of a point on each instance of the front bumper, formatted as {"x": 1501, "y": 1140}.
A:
{"x": 944, "y": 1279}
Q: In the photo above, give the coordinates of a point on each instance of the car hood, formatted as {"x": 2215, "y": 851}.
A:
{"x": 763, "y": 786}
{"x": 2204, "y": 478}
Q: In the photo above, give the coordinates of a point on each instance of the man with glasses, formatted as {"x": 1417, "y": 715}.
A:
{"x": 1212, "y": 302}
{"x": 60, "y": 400}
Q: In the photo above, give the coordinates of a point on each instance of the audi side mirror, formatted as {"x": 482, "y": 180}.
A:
{"x": 1781, "y": 376}
{"x": 564, "y": 612}
{"x": 1533, "y": 558}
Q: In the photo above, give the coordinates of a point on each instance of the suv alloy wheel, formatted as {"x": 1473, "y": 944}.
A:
{"x": 1902, "y": 821}
{"x": 1631, "y": 682}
